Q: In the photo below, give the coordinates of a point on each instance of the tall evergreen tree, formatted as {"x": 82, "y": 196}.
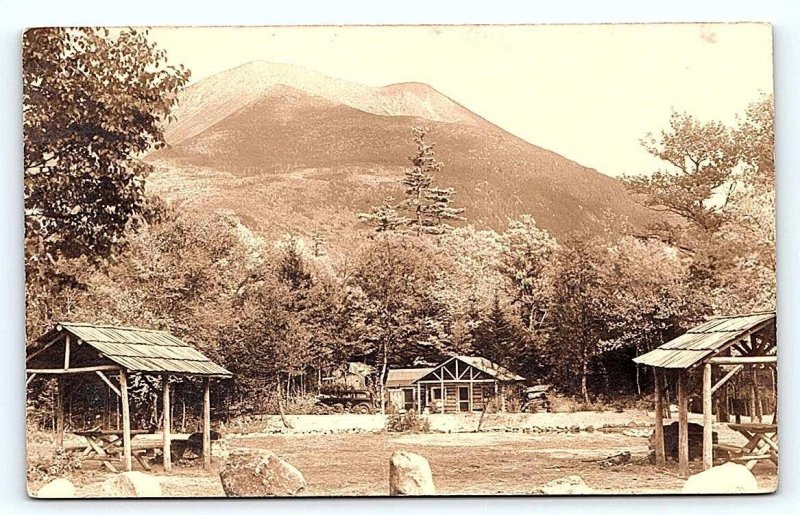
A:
{"x": 385, "y": 218}
{"x": 495, "y": 337}
{"x": 319, "y": 241}
{"x": 293, "y": 271}
{"x": 426, "y": 209}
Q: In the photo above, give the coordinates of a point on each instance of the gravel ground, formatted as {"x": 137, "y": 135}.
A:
{"x": 341, "y": 462}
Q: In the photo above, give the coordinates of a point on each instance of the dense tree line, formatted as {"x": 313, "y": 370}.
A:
{"x": 422, "y": 283}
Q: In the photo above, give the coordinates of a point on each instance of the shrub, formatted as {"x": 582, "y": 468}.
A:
{"x": 495, "y": 404}
{"x": 409, "y": 422}
{"x": 45, "y": 464}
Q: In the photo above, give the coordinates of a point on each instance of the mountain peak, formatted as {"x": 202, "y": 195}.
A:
{"x": 411, "y": 87}
{"x": 221, "y": 94}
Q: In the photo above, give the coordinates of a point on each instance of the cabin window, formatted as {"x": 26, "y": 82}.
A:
{"x": 408, "y": 399}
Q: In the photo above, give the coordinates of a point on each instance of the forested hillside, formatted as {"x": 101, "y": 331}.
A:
{"x": 266, "y": 238}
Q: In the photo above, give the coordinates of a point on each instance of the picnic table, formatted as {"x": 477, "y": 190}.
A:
{"x": 107, "y": 445}
{"x": 762, "y": 444}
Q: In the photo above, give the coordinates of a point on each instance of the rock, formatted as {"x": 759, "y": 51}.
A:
{"x": 618, "y": 459}
{"x": 730, "y": 478}
{"x": 568, "y": 485}
{"x": 638, "y": 433}
{"x": 194, "y": 443}
{"x": 57, "y": 489}
{"x": 410, "y": 474}
{"x": 259, "y": 473}
{"x": 131, "y": 484}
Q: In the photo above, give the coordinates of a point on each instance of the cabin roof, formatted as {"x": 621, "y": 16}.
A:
{"x": 400, "y": 377}
{"x": 705, "y": 340}
{"x": 491, "y": 369}
{"x": 138, "y": 350}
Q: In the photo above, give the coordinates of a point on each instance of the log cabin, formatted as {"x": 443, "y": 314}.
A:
{"x": 460, "y": 384}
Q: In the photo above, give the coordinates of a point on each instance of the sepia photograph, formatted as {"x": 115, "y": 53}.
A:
{"x": 400, "y": 260}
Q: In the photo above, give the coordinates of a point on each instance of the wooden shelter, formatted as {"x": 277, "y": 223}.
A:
{"x": 729, "y": 343}
{"x": 108, "y": 351}
{"x": 458, "y": 384}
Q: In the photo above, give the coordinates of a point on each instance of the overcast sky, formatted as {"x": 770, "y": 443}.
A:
{"x": 588, "y": 92}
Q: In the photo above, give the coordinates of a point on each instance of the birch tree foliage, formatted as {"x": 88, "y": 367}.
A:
{"x": 526, "y": 253}
{"x": 396, "y": 309}
{"x": 717, "y": 188}
{"x": 576, "y": 312}
{"x": 694, "y": 183}
{"x": 93, "y": 102}
{"x": 749, "y": 282}
{"x": 650, "y": 299}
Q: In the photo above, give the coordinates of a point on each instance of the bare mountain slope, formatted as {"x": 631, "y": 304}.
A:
{"x": 214, "y": 98}
{"x": 290, "y": 160}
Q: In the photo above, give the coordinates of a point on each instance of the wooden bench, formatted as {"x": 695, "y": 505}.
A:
{"x": 106, "y": 446}
{"x": 762, "y": 444}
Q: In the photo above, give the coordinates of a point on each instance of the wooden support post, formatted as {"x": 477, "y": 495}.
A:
{"x": 105, "y": 424}
{"x": 683, "y": 425}
{"x": 60, "y": 413}
{"x": 79, "y": 370}
{"x": 66, "y": 353}
{"x": 772, "y": 372}
{"x": 659, "y": 416}
{"x": 166, "y": 409}
{"x": 108, "y": 382}
{"x": 759, "y": 407}
{"x": 206, "y": 423}
{"x": 708, "y": 421}
{"x": 441, "y": 390}
{"x": 735, "y": 370}
{"x": 743, "y": 360}
{"x": 126, "y": 420}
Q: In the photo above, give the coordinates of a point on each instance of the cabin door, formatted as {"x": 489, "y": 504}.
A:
{"x": 397, "y": 398}
{"x": 464, "y": 402}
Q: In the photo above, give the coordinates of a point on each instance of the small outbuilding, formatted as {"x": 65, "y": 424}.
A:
{"x": 400, "y": 383}
{"x": 460, "y": 384}
{"x": 112, "y": 353}
{"x": 720, "y": 348}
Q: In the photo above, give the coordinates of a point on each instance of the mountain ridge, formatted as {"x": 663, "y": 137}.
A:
{"x": 219, "y": 95}
{"x": 307, "y": 157}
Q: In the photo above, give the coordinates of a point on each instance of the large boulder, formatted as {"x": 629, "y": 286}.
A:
{"x": 568, "y": 485}
{"x": 258, "y": 473}
{"x": 730, "y": 478}
{"x": 410, "y": 474}
{"x": 131, "y": 484}
{"x": 57, "y": 489}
